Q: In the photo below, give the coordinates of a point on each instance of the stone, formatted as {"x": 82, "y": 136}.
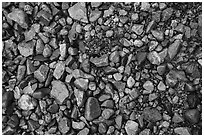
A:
{"x": 84, "y": 131}
{"x": 94, "y": 15}
{"x": 92, "y": 86}
{"x": 78, "y": 12}
{"x": 125, "y": 42}
{"x": 166, "y": 14}
{"x": 26, "y": 49}
{"x": 173, "y": 49}
{"x": 81, "y": 83}
{"x": 41, "y": 73}
{"x": 159, "y": 35}
{"x": 145, "y": 6}
{"x": 135, "y": 16}
{"x": 33, "y": 125}
{"x": 138, "y": 29}
{"x": 79, "y": 95}
{"x": 108, "y": 104}
{"x": 63, "y": 125}
{"x": 109, "y": 33}
{"x": 100, "y": 61}
{"x": 25, "y": 102}
{"x": 59, "y": 91}
{"x": 177, "y": 118}
{"x": 117, "y": 76}
{"x": 161, "y": 69}
{"x": 29, "y": 35}
{"x": 120, "y": 86}
{"x": 107, "y": 113}
{"x": 152, "y": 114}
{"x": 53, "y": 108}
{"x": 192, "y": 116}
{"x": 78, "y": 125}
{"x": 182, "y": 131}
{"x": 92, "y": 109}
{"x": 19, "y": 16}
{"x": 148, "y": 85}
{"x": 174, "y": 76}
{"x": 63, "y": 51}
{"x": 150, "y": 26}
{"x": 145, "y": 132}
{"x": 72, "y": 51}
{"x": 39, "y": 46}
{"x": 138, "y": 43}
{"x": 59, "y": 70}
{"x": 102, "y": 128}
{"x": 21, "y": 73}
{"x": 130, "y": 82}
{"x": 154, "y": 58}
{"x": 95, "y": 4}
{"x": 152, "y": 97}
{"x": 118, "y": 121}
{"x": 161, "y": 86}
{"x": 131, "y": 127}
{"x": 47, "y": 52}
{"x": 140, "y": 57}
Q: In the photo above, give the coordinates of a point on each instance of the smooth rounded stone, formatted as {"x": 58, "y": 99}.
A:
{"x": 78, "y": 125}
{"x": 94, "y": 15}
{"x": 92, "y": 109}
{"x": 63, "y": 50}
{"x": 41, "y": 73}
{"x": 59, "y": 91}
{"x": 138, "y": 43}
{"x": 102, "y": 128}
{"x": 118, "y": 121}
{"x": 138, "y": 29}
{"x": 135, "y": 16}
{"x": 192, "y": 116}
{"x": 130, "y": 82}
{"x": 161, "y": 69}
{"x": 92, "y": 86}
{"x": 149, "y": 86}
{"x": 131, "y": 127}
{"x": 81, "y": 83}
{"x": 109, "y": 33}
{"x": 145, "y": 132}
{"x": 25, "y": 102}
{"x": 177, "y": 118}
{"x": 26, "y": 48}
{"x": 117, "y": 76}
{"x": 107, "y": 113}
{"x": 53, "y": 108}
{"x": 95, "y": 4}
{"x": 59, "y": 70}
{"x": 41, "y": 93}
{"x": 173, "y": 49}
{"x": 100, "y": 61}
{"x": 78, "y": 12}
{"x": 166, "y": 14}
{"x": 161, "y": 86}
{"x": 114, "y": 57}
{"x": 159, "y": 35}
{"x": 108, "y": 104}
{"x": 63, "y": 125}
{"x": 19, "y": 16}
{"x": 84, "y": 131}
{"x": 182, "y": 131}
{"x": 154, "y": 58}
{"x": 145, "y": 6}
{"x": 151, "y": 114}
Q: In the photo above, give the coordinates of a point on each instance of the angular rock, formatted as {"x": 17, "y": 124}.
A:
{"x": 25, "y": 102}
{"x": 182, "y": 131}
{"x": 33, "y": 125}
{"x": 54, "y": 108}
{"x": 63, "y": 125}
{"x": 101, "y": 61}
{"x": 148, "y": 85}
{"x": 138, "y": 29}
{"x": 154, "y": 58}
{"x": 192, "y": 116}
{"x": 39, "y": 46}
{"x": 78, "y": 125}
{"x": 26, "y": 49}
{"x": 79, "y": 95}
{"x": 131, "y": 127}
{"x": 166, "y": 14}
{"x": 41, "y": 93}
{"x": 59, "y": 70}
{"x": 102, "y": 128}
{"x": 44, "y": 17}
{"x": 21, "y": 73}
{"x": 81, "y": 83}
{"x": 130, "y": 82}
{"x": 159, "y": 35}
{"x": 173, "y": 49}
{"x": 94, "y": 15}
{"x": 152, "y": 114}
{"x": 177, "y": 118}
{"x": 119, "y": 85}
{"x": 84, "y": 131}
{"x": 59, "y": 91}
{"x": 107, "y": 113}
{"x": 41, "y": 73}
{"x": 63, "y": 51}
{"x": 92, "y": 109}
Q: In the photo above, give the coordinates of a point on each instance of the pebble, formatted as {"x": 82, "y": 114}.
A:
{"x": 119, "y": 85}
{"x": 131, "y": 127}
{"x": 152, "y": 96}
{"x": 154, "y": 58}
{"x": 108, "y": 104}
{"x": 140, "y": 57}
{"x": 145, "y": 6}
{"x": 138, "y": 29}
{"x": 54, "y": 108}
{"x": 25, "y": 102}
{"x": 177, "y": 118}
{"x": 63, "y": 125}
{"x": 94, "y": 15}
{"x": 182, "y": 131}
{"x": 33, "y": 125}
{"x": 161, "y": 86}
{"x": 21, "y": 73}
{"x": 81, "y": 83}
{"x": 79, "y": 95}
{"x": 39, "y": 46}
{"x": 84, "y": 131}
{"x": 173, "y": 49}
{"x": 117, "y": 76}
{"x": 148, "y": 85}
{"x": 102, "y": 128}
{"x": 59, "y": 70}
{"x": 192, "y": 116}
{"x": 92, "y": 109}
{"x": 130, "y": 82}
{"x": 166, "y": 14}
{"x": 159, "y": 35}
{"x": 63, "y": 51}
{"x": 29, "y": 35}
{"x": 118, "y": 121}
{"x": 107, "y": 113}
{"x": 41, "y": 73}
{"x": 134, "y": 16}
{"x": 47, "y": 52}
{"x": 100, "y": 61}
{"x": 92, "y": 86}
{"x": 59, "y": 91}
{"x": 78, "y": 125}
{"x": 109, "y": 33}
{"x": 138, "y": 43}
{"x": 145, "y": 132}
{"x": 26, "y": 48}
{"x": 151, "y": 114}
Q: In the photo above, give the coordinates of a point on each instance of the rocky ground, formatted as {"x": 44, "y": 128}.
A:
{"x": 102, "y": 68}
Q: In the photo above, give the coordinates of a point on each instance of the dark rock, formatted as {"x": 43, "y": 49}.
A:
{"x": 152, "y": 114}
{"x": 41, "y": 73}
{"x": 192, "y": 116}
{"x": 166, "y": 14}
{"x": 41, "y": 93}
{"x": 33, "y": 125}
{"x": 53, "y": 108}
{"x": 101, "y": 61}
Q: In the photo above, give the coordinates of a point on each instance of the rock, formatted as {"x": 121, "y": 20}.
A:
{"x": 161, "y": 69}
{"x": 152, "y": 97}
{"x": 78, "y": 125}
{"x": 92, "y": 109}
{"x": 85, "y": 131}
{"x": 101, "y": 61}
{"x": 78, "y": 12}
{"x": 141, "y": 56}
{"x": 159, "y": 35}
{"x": 148, "y": 85}
{"x": 81, "y": 83}
{"x": 29, "y": 35}
{"x": 53, "y": 108}
{"x": 72, "y": 51}
{"x": 182, "y": 131}
{"x": 102, "y": 128}
{"x": 145, "y": 6}
{"x": 150, "y": 26}
{"x": 59, "y": 70}
{"x": 107, "y": 113}
{"x": 192, "y": 116}
{"x": 145, "y": 132}
{"x": 125, "y": 42}
{"x": 39, "y": 46}
{"x": 63, "y": 51}
{"x": 109, "y": 33}
{"x": 79, "y": 96}
{"x": 131, "y": 127}
{"x": 19, "y": 16}
{"x": 193, "y": 100}
{"x": 130, "y": 82}
{"x": 59, "y": 91}
{"x": 166, "y": 14}
{"x": 92, "y": 86}
{"x": 173, "y": 49}
{"x": 161, "y": 86}
{"x": 33, "y": 125}
{"x": 117, "y": 76}
{"x": 47, "y": 52}
{"x": 25, "y": 102}
{"x": 151, "y": 114}
{"x": 7, "y": 99}
{"x": 120, "y": 86}
{"x": 177, "y": 118}
{"x": 154, "y": 58}
{"x": 63, "y": 125}
{"x": 41, "y": 73}
{"x": 135, "y": 16}
{"x": 95, "y": 4}
{"x": 94, "y": 15}
{"x": 41, "y": 93}
{"x": 13, "y": 121}
{"x": 26, "y": 49}
{"x": 44, "y": 17}
{"x": 108, "y": 104}
{"x": 174, "y": 76}
{"x": 138, "y": 43}
{"x": 21, "y": 73}
{"x": 138, "y": 29}
{"x": 118, "y": 121}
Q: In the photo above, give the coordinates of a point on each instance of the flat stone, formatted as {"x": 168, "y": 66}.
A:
{"x": 130, "y": 82}
{"x": 92, "y": 109}
{"x": 26, "y": 49}
{"x": 159, "y": 35}
{"x": 182, "y": 131}
{"x": 173, "y": 49}
{"x": 59, "y": 70}
{"x": 107, "y": 113}
{"x": 101, "y": 61}
{"x": 78, "y": 125}
{"x": 41, "y": 73}
{"x": 138, "y": 29}
{"x": 131, "y": 127}
{"x": 78, "y": 12}
{"x": 192, "y": 116}
{"x": 63, "y": 125}
{"x": 94, "y": 15}
{"x": 152, "y": 114}
{"x": 19, "y": 16}
{"x": 81, "y": 83}
{"x": 25, "y": 102}
{"x": 59, "y": 91}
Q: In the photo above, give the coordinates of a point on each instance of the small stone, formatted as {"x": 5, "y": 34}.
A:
{"x": 145, "y": 6}
{"x": 138, "y": 43}
{"x": 78, "y": 125}
{"x": 79, "y": 95}
{"x": 173, "y": 49}
{"x": 25, "y": 102}
{"x": 41, "y": 73}
{"x": 63, "y": 125}
{"x": 154, "y": 58}
{"x": 118, "y": 121}
{"x": 21, "y": 72}
{"x": 81, "y": 83}
{"x": 141, "y": 56}
{"x": 54, "y": 108}
{"x": 72, "y": 51}
{"x": 119, "y": 85}
{"x": 145, "y": 132}
{"x": 161, "y": 86}
{"x": 134, "y": 16}
{"x": 92, "y": 109}
{"x": 102, "y": 128}
{"x": 59, "y": 91}
{"x": 101, "y": 61}
{"x": 182, "y": 131}
{"x": 152, "y": 96}
{"x": 92, "y": 86}
{"x": 125, "y": 42}
{"x": 166, "y": 14}
{"x": 117, "y": 76}
{"x": 41, "y": 93}
{"x": 39, "y": 46}
{"x": 33, "y": 125}
{"x": 107, "y": 113}
{"x": 44, "y": 17}
{"x": 151, "y": 114}
{"x": 29, "y": 35}
{"x": 148, "y": 85}
{"x": 108, "y": 104}
{"x": 59, "y": 70}
{"x": 84, "y": 131}
{"x": 192, "y": 116}
{"x": 138, "y": 29}
{"x": 131, "y": 127}
{"x": 78, "y": 12}
{"x": 94, "y": 15}
{"x": 130, "y": 82}
{"x": 161, "y": 69}
{"x": 26, "y": 49}
{"x": 109, "y": 33}
{"x": 95, "y": 4}
{"x": 47, "y": 52}
{"x": 159, "y": 35}
{"x": 177, "y": 118}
